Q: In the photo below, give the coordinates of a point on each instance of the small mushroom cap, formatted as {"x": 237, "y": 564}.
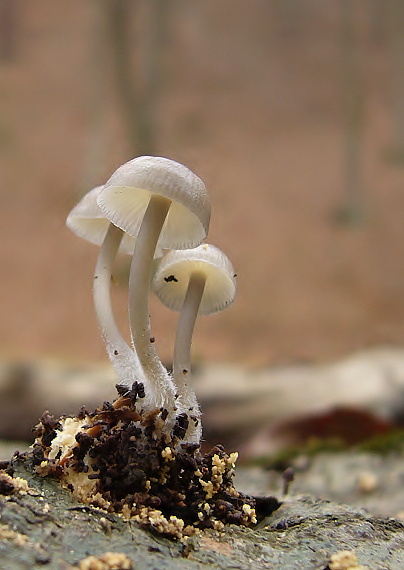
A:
{"x": 127, "y": 193}
{"x": 171, "y": 279}
{"x": 87, "y": 221}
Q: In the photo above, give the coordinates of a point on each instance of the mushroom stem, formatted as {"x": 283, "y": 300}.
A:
{"x": 119, "y": 352}
{"x": 139, "y": 285}
{"x": 185, "y": 329}
{"x": 187, "y": 401}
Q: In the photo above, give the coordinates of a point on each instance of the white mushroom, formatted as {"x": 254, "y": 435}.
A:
{"x": 88, "y": 222}
{"x": 160, "y": 202}
{"x": 195, "y": 281}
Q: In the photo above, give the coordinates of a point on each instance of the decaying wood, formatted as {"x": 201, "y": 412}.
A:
{"x": 47, "y": 528}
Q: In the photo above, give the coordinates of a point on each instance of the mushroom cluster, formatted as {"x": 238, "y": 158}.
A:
{"x": 158, "y": 211}
{"x": 140, "y": 455}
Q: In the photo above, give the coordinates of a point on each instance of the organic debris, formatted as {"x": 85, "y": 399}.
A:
{"x": 119, "y": 459}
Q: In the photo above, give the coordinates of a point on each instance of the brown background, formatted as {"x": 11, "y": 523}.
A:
{"x": 254, "y": 97}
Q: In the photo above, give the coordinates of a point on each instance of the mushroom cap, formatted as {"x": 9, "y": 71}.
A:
{"x": 171, "y": 279}
{"x": 87, "y": 221}
{"x": 127, "y": 193}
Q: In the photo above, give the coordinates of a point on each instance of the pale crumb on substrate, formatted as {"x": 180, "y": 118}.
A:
{"x": 7, "y": 533}
{"x": 98, "y": 501}
{"x": 107, "y": 561}
{"x": 206, "y": 508}
{"x": 167, "y": 454}
{"x": 218, "y": 525}
{"x": 126, "y": 511}
{"x": 219, "y": 466}
{"x": 231, "y": 461}
{"x": 106, "y": 525}
{"x": 233, "y": 492}
{"x": 20, "y": 540}
{"x": 157, "y": 521}
{"x": 45, "y": 506}
{"x": 367, "y": 482}
{"x": 19, "y": 485}
{"x": 249, "y": 514}
{"x": 345, "y": 560}
{"x": 81, "y": 487}
{"x": 43, "y": 468}
{"x": 208, "y": 488}
{"x": 65, "y": 438}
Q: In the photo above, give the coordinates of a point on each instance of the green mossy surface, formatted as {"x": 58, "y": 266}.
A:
{"x": 392, "y": 441}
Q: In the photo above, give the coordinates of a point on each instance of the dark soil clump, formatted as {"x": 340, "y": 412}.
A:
{"x": 121, "y": 460}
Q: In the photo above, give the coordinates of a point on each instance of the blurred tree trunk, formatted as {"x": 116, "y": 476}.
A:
{"x": 352, "y": 210}
{"x": 138, "y": 89}
{"x": 396, "y": 40}
{"x": 290, "y": 15}
{"x": 378, "y": 21}
{"x": 7, "y": 29}
{"x": 97, "y": 142}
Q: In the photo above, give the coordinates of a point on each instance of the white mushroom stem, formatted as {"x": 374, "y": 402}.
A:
{"x": 139, "y": 285}
{"x": 123, "y": 358}
{"x": 186, "y": 324}
{"x": 188, "y": 402}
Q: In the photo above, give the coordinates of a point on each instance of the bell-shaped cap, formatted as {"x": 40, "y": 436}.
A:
{"x": 127, "y": 193}
{"x": 171, "y": 279}
{"x": 87, "y": 221}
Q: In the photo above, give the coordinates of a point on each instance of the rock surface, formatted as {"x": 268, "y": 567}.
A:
{"x": 47, "y": 529}
{"x": 360, "y": 479}
{"x": 304, "y": 533}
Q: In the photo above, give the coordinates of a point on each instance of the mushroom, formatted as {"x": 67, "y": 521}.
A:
{"x": 162, "y": 202}
{"x": 195, "y": 281}
{"x": 88, "y": 222}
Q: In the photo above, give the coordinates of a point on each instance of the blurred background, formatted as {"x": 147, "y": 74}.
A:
{"x": 291, "y": 111}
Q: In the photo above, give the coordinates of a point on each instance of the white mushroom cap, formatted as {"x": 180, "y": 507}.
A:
{"x": 87, "y": 221}
{"x": 170, "y": 282}
{"x": 126, "y": 195}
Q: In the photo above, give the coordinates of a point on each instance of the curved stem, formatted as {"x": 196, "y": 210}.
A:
{"x": 123, "y": 358}
{"x": 182, "y": 355}
{"x": 139, "y": 284}
{"x": 186, "y": 324}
